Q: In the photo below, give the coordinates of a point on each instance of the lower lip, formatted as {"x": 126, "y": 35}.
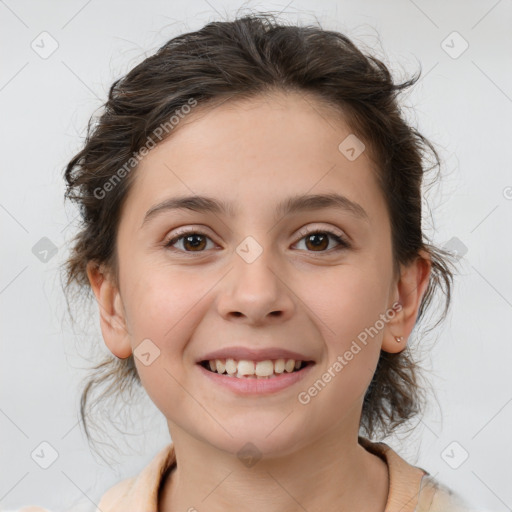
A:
{"x": 248, "y": 386}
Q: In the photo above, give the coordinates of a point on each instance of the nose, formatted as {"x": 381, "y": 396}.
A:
{"x": 256, "y": 290}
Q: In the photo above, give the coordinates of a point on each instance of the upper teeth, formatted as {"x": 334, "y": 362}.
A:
{"x": 260, "y": 369}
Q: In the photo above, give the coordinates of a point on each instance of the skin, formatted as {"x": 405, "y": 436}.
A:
{"x": 256, "y": 153}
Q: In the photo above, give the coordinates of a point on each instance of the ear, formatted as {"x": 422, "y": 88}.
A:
{"x": 112, "y": 316}
{"x": 408, "y": 292}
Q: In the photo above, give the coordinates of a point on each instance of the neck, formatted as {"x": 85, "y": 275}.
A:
{"x": 331, "y": 473}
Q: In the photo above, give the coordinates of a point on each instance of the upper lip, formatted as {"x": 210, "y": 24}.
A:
{"x": 251, "y": 354}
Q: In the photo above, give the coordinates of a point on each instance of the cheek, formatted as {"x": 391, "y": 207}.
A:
{"x": 346, "y": 313}
{"x": 162, "y": 304}
{"x": 350, "y": 301}
{"x": 164, "y": 307}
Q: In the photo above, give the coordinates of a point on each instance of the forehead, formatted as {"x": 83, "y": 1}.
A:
{"x": 255, "y": 153}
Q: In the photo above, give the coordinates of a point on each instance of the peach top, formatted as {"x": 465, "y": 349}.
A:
{"x": 411, "y": 488}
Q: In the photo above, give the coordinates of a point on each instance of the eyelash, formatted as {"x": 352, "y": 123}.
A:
{"x": 343, "y": 242}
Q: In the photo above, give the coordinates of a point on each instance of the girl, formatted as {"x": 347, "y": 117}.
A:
{"x": 251, "y": 207}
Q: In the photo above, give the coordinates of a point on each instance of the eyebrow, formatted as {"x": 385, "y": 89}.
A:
{"x": 291, "y": 205}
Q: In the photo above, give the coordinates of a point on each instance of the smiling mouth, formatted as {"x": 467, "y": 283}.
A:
{"x": 245, "y": 369}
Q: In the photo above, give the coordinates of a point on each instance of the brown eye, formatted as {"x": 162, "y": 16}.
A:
{"x": 318, "y": 241}
{"x": 192, "y": 241}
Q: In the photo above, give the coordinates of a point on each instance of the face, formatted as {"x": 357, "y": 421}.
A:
{"x": 192, "y": 282}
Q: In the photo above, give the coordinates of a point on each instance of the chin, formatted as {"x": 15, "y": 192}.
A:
{"x": 256, "y": 442}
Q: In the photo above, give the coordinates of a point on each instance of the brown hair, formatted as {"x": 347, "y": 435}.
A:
{"x": 251, "y": 55}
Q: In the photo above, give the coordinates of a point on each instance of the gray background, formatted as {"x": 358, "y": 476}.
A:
{"x": 463, "y": 103}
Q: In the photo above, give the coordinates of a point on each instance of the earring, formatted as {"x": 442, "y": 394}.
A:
{"x": 398, "y": 339}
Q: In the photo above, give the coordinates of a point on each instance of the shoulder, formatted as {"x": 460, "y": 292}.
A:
{"x": 116, "y": 494}
{"x": 139, "y": 492}
{"x": 435, "y": 496}
{"x": 414, "y": 488}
